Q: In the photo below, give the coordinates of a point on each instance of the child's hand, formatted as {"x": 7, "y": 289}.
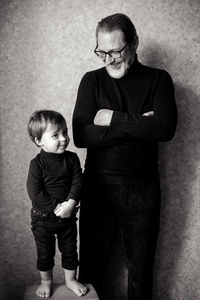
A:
{"x": 65, "y": 209}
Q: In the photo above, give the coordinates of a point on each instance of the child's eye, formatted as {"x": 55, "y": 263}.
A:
{"x": 55, "y": 135}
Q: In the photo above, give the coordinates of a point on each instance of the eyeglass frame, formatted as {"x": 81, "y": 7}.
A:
{"x": 109, "y": 52}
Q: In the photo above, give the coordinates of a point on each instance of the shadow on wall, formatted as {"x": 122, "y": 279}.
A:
{"x": 179, "y": 178}
{"x": 179, "y": 172}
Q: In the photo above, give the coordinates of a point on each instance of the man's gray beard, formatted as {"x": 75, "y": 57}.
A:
{"x": 119, "y": 73}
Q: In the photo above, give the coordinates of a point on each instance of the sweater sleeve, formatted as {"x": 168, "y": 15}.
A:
{"x": 76, "y": 178}
{"x": 39, "y": 197}
{"x": 85, "y": 132}
{"x": 161, "y": 126}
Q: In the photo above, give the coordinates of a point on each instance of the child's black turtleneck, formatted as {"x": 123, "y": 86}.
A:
{"x": 54, "y": 178}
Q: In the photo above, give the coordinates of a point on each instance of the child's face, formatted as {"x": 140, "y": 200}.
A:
{"x": 54, "y": 140}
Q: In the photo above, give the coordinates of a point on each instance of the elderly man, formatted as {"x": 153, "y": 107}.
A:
{"x": 122, "y": 111}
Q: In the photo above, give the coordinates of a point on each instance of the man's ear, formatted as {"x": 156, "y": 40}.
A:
{"x": 135, "y": 43}
{"x": 37, "y": 141}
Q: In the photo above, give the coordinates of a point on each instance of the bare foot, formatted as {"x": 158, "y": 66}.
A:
{"x": 44, "y": 289}
{"x": 78, "y": 288}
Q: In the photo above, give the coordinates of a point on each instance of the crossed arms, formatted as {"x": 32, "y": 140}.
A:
{"x": 94, "y": 127}
{"x": 104, "y": 116}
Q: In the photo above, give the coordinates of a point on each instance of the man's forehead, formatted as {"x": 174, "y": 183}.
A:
{"x": 113, "y": 39}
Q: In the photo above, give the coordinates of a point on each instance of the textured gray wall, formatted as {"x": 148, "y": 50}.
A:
{"x": 46, "y": 47}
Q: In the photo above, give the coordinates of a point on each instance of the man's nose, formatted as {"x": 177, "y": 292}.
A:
{"x": 109, "y": 59}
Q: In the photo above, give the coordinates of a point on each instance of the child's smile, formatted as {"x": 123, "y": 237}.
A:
{"x": 54, "y": 140}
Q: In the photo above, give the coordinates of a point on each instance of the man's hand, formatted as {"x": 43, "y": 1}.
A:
{"x": 65, "y": 209}
{"x": 103, "y": 117}
{"x": 149, "y": 113}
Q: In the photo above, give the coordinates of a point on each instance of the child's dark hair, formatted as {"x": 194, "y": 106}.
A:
{"x": 38, "y": 123}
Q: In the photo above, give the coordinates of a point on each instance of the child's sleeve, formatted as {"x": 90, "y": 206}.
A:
{"x": 76, "y": 185}
{"x": 39, "y": 197}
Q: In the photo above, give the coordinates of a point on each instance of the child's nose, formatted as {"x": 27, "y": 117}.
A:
{"x": 63, "y": 138}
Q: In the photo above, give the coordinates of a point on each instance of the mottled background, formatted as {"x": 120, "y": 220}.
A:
{"x": 46, "y": 47}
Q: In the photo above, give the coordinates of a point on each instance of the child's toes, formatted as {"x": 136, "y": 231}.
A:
{"x": 84, "y": 290}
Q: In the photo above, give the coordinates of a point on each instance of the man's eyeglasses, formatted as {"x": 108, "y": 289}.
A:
{"x": 113, "y": 53}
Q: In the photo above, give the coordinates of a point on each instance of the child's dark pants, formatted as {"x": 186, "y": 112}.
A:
{"x": 44, "y": 227}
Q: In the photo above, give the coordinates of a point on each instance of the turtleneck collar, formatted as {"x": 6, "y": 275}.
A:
{"x": 52, "y": 155}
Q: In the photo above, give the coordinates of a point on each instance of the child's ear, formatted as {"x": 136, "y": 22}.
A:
{"x": 37, "y": 141}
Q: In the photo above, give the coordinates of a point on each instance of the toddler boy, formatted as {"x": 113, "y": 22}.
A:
{"x": 53, "y": 184}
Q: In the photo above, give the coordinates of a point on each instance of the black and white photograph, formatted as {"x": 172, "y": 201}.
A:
{"x": 100, "y": 149}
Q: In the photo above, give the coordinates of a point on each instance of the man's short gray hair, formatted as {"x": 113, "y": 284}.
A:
{"x": 119, "y": 22}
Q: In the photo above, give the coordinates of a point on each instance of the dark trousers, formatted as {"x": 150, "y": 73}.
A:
{"x": 44, "y": 228}
{"x": 135, "y": 210}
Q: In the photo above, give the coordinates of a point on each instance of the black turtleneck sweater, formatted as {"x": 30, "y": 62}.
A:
{"x": 54, "y": 178}
{"x": 128, "y": 148}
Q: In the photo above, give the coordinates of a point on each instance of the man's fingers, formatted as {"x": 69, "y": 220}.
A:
{"x": 149, "y": 113}
{"x": 55, "y": 209}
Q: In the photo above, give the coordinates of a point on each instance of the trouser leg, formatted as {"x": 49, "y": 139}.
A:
{"x": 97, "y": 231}
{"x": 67, "y": 243}
{"x": 43, "y": 231}
{"x": 140, "y": 228}
{"x": 96, "y": 240}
